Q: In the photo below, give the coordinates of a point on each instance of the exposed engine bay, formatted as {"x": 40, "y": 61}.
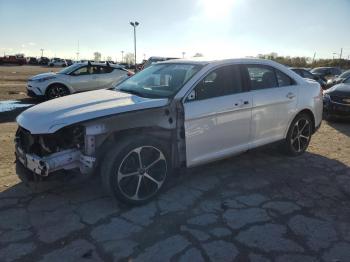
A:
{"x": 46, "y": 153}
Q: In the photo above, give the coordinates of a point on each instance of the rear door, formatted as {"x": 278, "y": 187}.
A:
{"x": 217, "y": 116}
{"x": 274, "y": 103}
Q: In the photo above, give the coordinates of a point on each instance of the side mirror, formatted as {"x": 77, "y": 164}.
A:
{"x": 192, "y": 96}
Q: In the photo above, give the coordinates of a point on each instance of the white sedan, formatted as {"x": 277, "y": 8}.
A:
{"x": 76, "y": 78}
{"x": 178, "y": 113}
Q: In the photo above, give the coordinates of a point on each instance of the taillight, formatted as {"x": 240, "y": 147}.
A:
{"x": 130, "y": 73}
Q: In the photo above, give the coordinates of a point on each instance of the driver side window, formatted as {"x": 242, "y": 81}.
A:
{"x": 220, "y": 82}
{"x": 81, "y": 71}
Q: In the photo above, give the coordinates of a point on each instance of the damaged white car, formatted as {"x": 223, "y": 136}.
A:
{"x": 173, "y": 114}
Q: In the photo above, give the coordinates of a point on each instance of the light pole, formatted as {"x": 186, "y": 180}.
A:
{"x": 334, "y": 55}
{"x": 122, "y": 56}
{"x": 134, "y": 25}
{"x": 42, "y": 52}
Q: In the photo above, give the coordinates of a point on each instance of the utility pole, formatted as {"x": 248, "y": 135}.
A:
{"x": 42, "y": 52}
{"x": 122, "y": 56}
{"x": 78, "y": 51}
{"x": 341, "y": 53}
{"x": 313, "y": 59}
{"x": 134, "y": 25}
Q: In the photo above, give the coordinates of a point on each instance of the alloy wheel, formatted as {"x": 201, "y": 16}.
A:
{"x": 301, "y": 135}
{"x": 141, "y": 173}
{"x": 57, "y": 91}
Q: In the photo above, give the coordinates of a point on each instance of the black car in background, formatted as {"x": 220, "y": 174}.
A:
{"x": 306, "y": 74}
{"x": 43, "y": 60}
{"x": 69, "y": 62}
{"x": 336, "y": 101}
{"x": 326, "y": 73}
{"x": 31, "y": 61}
{"x": 339, "y": 79}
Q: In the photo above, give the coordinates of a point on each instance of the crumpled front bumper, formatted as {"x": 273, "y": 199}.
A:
{"x": 66, "y": 159}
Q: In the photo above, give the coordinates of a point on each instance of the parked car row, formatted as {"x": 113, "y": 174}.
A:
{"x": 307, "y": 74}
{"x": 13, "y": 59}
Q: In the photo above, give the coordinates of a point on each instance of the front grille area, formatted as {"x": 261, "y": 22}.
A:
{"x": 341, "y": 100}
{"x": 42, "y": 145}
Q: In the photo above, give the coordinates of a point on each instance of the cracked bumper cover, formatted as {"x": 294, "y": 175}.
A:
{"x": 67, "y": 159}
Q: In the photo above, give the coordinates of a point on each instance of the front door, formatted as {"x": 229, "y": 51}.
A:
{"x": 82, "y": 79}
{"x": 217, "y": 116}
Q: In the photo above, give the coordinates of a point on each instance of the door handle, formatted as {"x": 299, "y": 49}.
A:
{"x": 241, "y": 103}
{"x": 290, "y": 95}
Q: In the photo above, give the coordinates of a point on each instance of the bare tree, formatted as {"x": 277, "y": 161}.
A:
{"x": 129, "y": 58}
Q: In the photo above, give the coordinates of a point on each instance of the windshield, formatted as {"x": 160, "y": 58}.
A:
{"x": 346, "y": 74}
{"x": 69, "y": 69}
{"x": 159, "y": 80}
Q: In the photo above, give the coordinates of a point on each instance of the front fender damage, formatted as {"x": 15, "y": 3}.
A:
{"x": 82, "y": 146}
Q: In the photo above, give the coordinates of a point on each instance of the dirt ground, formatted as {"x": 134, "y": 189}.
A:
{"x": 13, "y": 80}
{"x": 258, "y": 206}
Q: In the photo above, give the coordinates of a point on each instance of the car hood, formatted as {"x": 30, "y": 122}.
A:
{"x": 40, "y": 76}
{"x": 339, "y": 90}
{"x": 52, "y": 115}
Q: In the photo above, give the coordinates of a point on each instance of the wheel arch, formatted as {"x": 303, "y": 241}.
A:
{"x": 303, "y": 111}
{"x": 113, "y": 138}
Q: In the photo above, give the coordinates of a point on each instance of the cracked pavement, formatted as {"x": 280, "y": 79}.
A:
{"x": 258, "y": 206}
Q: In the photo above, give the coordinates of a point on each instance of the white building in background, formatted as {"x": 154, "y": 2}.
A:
{"x": 97, "y": 56}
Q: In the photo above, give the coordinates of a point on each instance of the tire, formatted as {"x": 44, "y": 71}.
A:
{"x": 56, "y": 90}
{"x": 131, "y": 180}
{"x": 299, "y": 135}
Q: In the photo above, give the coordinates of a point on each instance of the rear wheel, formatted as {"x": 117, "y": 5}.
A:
{"x": 135, "y": 170}
{"x": 56, "y": 90}
{"x": 299, "y": 135}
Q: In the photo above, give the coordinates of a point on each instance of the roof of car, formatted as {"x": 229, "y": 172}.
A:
{"x": 100, "y": 64}
{"x": 205, "y": 61}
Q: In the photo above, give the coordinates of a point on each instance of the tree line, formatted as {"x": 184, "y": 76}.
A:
{"x": 305, "y": 62}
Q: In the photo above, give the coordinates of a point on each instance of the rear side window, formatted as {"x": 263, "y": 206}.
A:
{"x": 106, "y": 69}
{"x": 220, "y": 82}
{"x": 283, "y": 79}
{"x": 261, "y": 77}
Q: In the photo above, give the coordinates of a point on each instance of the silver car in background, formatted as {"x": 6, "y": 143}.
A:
{"x": 78, "y": 77}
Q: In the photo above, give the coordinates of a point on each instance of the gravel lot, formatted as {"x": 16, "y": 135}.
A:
{"x": 258, "y": 206}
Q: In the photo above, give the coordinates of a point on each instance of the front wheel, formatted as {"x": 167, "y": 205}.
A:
{"x": 135, "y": 170}
{"x": 56, "y": 90}
{"x": 299, "y": 135}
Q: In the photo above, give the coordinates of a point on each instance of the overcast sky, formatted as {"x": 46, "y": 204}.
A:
{"x": 216, "y": 28}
